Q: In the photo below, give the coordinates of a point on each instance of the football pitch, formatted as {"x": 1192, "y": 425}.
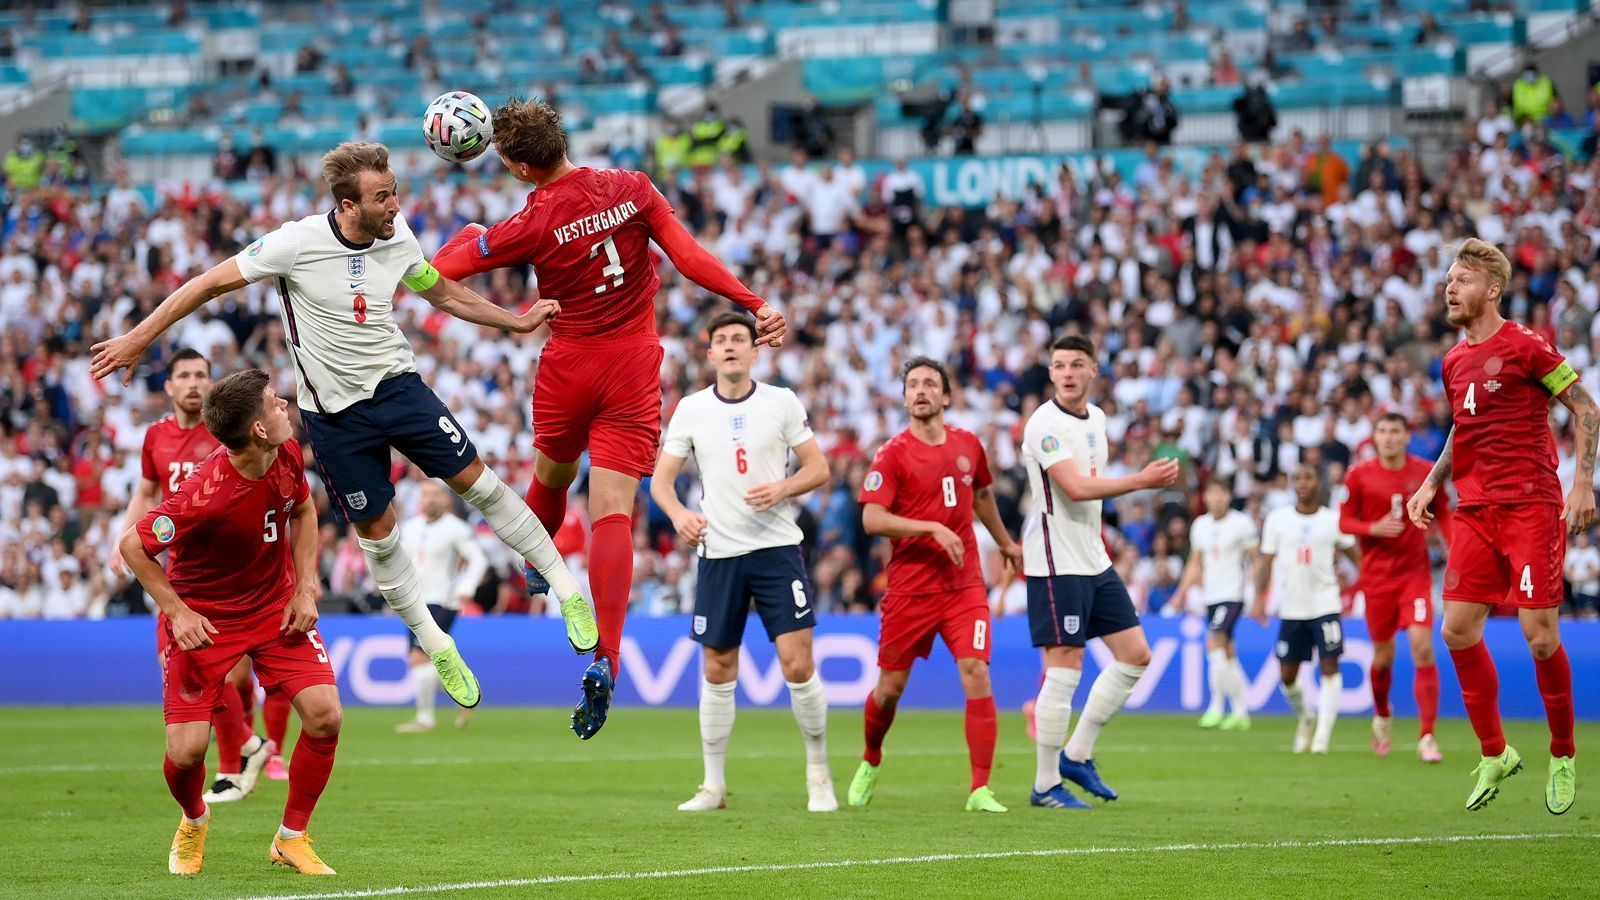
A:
{"x": 514, "y": 805}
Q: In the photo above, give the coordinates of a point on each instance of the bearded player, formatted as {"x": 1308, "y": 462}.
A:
{"x": 924, "y": 486}
{"x": 1509, "y": 539}
{"x": 586, "y": 232}
{"x": 1396, "y": 576}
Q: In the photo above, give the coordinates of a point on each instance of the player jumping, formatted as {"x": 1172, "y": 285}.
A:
{"x": 241, "y": 535}
{"x": 1074, "y": 594}
{"x": 450, "y": 565}
{"x": 586, "y": 232}
{"x": 922, "y": 491}
{"x": 359, "y": 391}
{"x": 1396, "y": 576}
{"x": 1509, "y": 541}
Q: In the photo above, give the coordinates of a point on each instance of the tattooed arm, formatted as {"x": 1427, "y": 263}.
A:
{"x": 1580, "y": 509}
{"x": 1418, "y": 508}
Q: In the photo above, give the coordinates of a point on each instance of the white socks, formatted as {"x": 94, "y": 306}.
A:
{"x": 1237, "y": 683}
{"x": 286, "y": 833}
{"x": 1111, "y": 689}
{"x": 1327, "y": 710}
{"x": 200, "y": 821}
{"x": 1296, "y": 695}
{"x": 519, "y": 528}
{"x": 1052, "y": 711}
{"x": 397, "y": 580}
{"x": 716, "y": 725}
{"x": 809, "y": 701}
{"x": 1218, "y": 670}
{"x": 426, "y": 680}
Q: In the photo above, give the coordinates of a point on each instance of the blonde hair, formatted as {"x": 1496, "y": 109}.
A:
{"x": 342, "y": 167}
{"x": 1482, "y": 256}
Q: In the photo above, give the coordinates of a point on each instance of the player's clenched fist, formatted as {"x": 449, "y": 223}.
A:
{"x": 191, "y": 630}
{"x": 691, "y": 527}
{"x": 543, "y": 310}
{"x": 1160, "y": 473}
{"x": 772, "y": 327}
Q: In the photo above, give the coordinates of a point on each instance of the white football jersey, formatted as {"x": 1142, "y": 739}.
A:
{"x": 449, "y": 562}
{"x": 1305, "y": 550}
{"x": 1061, "y": 536}
{"x": 336, "y": 300}
{"x": 736, "y": 445}
{"x": 1222, "y": 544}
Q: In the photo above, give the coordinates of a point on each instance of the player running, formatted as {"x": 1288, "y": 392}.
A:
{"x": 241, "y": 539}
{"x": 1073, "y": 592}
{"x": 1222, "y": 548}
{"x": 1396, "y": 576}
{"x": 1307, "y": 536}
{"x": 740, "y": 434}
{"x": 924, "y": 486}
{"x": 1508, "y": 544}
{"x": 173, "y": 448}
{"x": 586, "y": 232}
{"x": 359, "y": 391}
{"x": 450, "y": 564}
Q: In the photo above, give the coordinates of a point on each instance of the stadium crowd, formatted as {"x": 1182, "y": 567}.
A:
{"x": 1259, "y": 311}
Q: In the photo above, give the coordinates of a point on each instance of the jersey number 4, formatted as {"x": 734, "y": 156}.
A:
{"x": 613, "y": 269}
{"x": 1470, "y": 401}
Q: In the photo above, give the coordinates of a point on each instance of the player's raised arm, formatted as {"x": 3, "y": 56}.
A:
{"x": 1079, "y": 486}
{"x": 464, "y": 303}
{"x": 701, "y": 267}
{"x": 125, "y": 351}
{"x": 1580, "y": 508}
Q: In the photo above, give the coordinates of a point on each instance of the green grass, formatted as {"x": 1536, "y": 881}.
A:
{"x": 516, "y": 796}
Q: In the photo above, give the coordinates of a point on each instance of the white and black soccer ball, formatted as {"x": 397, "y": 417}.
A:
{"x": 457, "y": 127}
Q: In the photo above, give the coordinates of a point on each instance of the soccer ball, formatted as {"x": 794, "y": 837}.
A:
{"x": 457, "y": 127}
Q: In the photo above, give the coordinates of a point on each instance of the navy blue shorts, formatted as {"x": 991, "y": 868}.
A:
{"x": 1070, "y": 609}
{"x": 773, "y": 579}
{"x": 443, "y": 616}
{"x": 1297, "y": 637}
{"x": 1222, "y": 618}
{"x": 352, "y": 446}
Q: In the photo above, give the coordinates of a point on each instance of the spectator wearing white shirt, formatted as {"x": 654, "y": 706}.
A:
{"x": 1583, "y": 573}
{"x": 829, "y": 206}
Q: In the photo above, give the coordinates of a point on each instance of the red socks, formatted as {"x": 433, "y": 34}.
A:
{"x": 308, "y": 775}
{"x": 981, "y": 730}
{"x": 1381, "y": 679}
{"x": 1480, "y": 691}
{"x": 1426, "y": 688}
{"x": 549, "y": 505}
{"x": 275, "y": 713}
{"x": 610, "y": 579}
{"x": 1555, "y": 686}
{"x": 247, "y": 702}
{"x": 878, "y": 722}
{"x": 187, "y": 786}
{"x": 232, "y": 732}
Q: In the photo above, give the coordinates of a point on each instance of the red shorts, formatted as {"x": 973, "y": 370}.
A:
{"x": 910, "y": 622}
{"x": 194, "y": 678}
{"x": 1509, "y": 555}
{"x": 601, "y": 395}
{"x": 1393, "y": 605}
{"x": 163, "y": 637}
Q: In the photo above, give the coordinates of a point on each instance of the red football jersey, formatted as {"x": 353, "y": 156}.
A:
{"x": 172, "y": 453}
{"x": 587, "y": 235}
{"x": 1499, "y": 393}
{"x": 934, "y": 484}
{"x": 1376, "y": 493}
{"x": 228, "y": 536}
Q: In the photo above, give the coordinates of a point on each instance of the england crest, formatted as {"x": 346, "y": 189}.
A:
{"x": 1070, "y": 623}
{"x": 357, "y": 501}
{"x": 357, "y": 266}
{"x": 699, "y": 624}
{"x": 736, "y": 423}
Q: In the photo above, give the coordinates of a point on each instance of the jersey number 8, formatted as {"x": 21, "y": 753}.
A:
{"x": 949, "y": 485}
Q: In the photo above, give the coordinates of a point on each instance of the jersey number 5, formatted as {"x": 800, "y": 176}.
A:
{"x": 613, "y": 270}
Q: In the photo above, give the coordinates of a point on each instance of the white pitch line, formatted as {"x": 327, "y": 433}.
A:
{"x": 931, "y": 858}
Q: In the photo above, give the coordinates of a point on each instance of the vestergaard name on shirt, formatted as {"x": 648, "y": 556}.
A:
{"x": 601, "y": 221}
